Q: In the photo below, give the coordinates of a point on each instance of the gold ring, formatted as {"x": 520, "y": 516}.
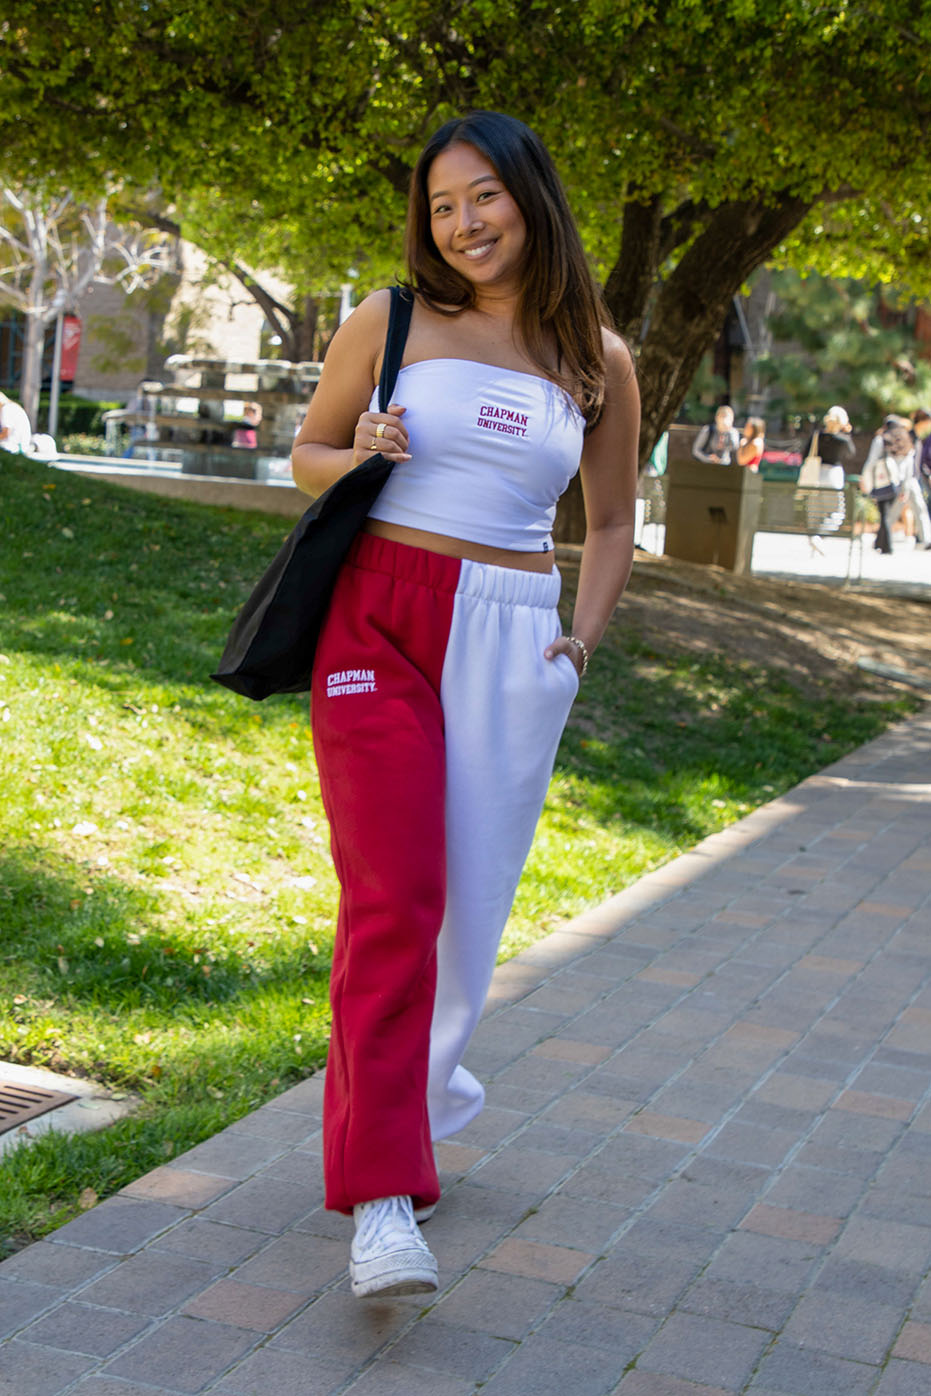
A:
{"x": 380, "y": 429}
{"x": 374, "y": 445}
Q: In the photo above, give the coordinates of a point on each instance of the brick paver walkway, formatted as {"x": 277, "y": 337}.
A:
{"x": 704, "y": 1167}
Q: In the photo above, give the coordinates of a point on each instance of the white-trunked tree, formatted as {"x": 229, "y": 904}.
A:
{"x": 52, "y": 248}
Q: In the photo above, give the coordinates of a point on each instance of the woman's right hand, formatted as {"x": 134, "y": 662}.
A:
{"x": 381, "y": 433}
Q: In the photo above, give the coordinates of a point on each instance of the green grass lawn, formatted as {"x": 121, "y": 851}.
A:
{"x": 166, "y": 896}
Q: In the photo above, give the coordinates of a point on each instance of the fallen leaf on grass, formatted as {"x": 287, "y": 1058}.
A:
{"x": 87, "y": 1199}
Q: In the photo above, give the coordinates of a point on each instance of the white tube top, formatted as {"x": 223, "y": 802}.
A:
{"x": 492, "y": 449}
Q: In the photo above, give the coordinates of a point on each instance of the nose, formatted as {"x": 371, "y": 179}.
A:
{"x": 469, "y": 218}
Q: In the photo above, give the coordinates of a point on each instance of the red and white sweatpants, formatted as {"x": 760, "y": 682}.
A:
{"x": 436, "y": 720}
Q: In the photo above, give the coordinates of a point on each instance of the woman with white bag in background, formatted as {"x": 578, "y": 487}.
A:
{"x": 823, "y": 469}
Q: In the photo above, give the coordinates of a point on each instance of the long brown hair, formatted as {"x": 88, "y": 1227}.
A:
{"x": 558, "y": 297}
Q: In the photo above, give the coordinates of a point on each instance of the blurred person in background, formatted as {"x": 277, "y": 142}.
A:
{"x": 717, "y": 442}
{"x": 752, "y": 443}
{"x": 832, "y": 442}
{"x": 921, "y": 434}
{"x": 910, "y": 496}
{"x": 889, "y": 464}
{"x": 15, "y": 431}
{"x": 246, "y": 433}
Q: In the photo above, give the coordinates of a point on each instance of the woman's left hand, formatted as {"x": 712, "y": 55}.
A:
{"x": 563, "y": 645}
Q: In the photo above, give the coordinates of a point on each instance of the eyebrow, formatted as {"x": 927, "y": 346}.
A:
{"x": 482, "y": 179}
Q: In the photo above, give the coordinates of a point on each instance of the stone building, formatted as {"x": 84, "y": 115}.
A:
{"x": 127, "y": 338}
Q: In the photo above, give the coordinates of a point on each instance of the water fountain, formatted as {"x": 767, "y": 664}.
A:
{"x": 188, "y": 425}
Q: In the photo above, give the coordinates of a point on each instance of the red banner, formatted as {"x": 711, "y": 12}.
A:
{"x": 70, "y": 347}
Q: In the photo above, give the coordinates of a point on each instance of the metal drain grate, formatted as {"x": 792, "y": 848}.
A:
{"x": 19, "y": 1103}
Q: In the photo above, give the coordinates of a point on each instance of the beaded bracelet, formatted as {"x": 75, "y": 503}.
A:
{"x": 583, "y": 649}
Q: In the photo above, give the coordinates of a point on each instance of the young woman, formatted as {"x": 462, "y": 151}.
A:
{"x": 752, "y": 443}
{"x": 825, "y": 508}
{"x": 434, "y": 765}
{"x": 889, "y": 463}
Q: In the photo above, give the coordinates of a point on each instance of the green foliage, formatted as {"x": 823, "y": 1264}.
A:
{"x": 285, "y": 131}
{"x": 116, "y": 342}
{"x": 77, "y": 414}
{"x": 848, "y": 345}
{"x": 166, "y": 896}
{"x": 696, "y": 140}
{"x": 707, "y": 389}
{"x": 79, "y": 443}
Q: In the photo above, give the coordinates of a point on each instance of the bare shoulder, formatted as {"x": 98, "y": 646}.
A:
{"x": 619, "y": 361}
{"x": 350, "y": 361}
{"x": 616, "y": 433}
{"x": 369, "y": 320}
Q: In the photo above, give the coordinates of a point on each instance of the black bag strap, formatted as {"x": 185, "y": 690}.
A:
{"x": 399, "y": 320}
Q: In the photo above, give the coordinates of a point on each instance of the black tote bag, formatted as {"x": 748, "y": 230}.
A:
{"x": 271, "y": 645}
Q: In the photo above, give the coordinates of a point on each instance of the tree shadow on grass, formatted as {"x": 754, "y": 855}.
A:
{"x": 668, "y": 731}
{"x": 656, "y": 736}
{"x": 78, "y": 939}
{"x": 98, "y": 573}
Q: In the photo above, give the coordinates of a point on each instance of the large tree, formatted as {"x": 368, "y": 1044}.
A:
{"x": 698, "y": 140}
{"x": 51, "y": 250}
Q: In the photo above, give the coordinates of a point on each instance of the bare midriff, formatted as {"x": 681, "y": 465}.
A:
{"x": 460, "y": 547}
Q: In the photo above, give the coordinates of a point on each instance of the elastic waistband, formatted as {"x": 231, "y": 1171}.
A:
{"x": 508, "y": 585}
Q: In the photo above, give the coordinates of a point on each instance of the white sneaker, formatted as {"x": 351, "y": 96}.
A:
{"x": 422, "y": 1214}
{"x": 389, "y": 1255}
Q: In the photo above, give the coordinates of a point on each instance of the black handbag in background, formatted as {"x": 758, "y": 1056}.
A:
{"x": 271, "y": 645}
{"x": 885, "y": 486}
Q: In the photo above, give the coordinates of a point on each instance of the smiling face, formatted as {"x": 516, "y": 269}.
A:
{"x": 476, "y": 224}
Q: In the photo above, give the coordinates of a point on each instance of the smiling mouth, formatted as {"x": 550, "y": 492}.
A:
{"x": 478, "y": 251}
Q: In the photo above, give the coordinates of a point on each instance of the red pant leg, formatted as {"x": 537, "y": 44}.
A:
{"x": 378, "y": 738}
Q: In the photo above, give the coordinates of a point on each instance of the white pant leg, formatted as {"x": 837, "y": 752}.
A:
{"x": 912, "y": 495}
{"x": 505, "y": 707}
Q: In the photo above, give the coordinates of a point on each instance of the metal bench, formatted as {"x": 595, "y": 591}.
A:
{"x": 785, "y": 509}
{"x": 814, "y": 512}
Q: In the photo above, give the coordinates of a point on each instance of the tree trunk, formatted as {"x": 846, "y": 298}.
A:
{"x": 691, "y": 304}
{"x": 305, "y": 331}
{"x": 30, "y": 381}
{"x": 30, "y": 377}
{"x": 627, "y": 290}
